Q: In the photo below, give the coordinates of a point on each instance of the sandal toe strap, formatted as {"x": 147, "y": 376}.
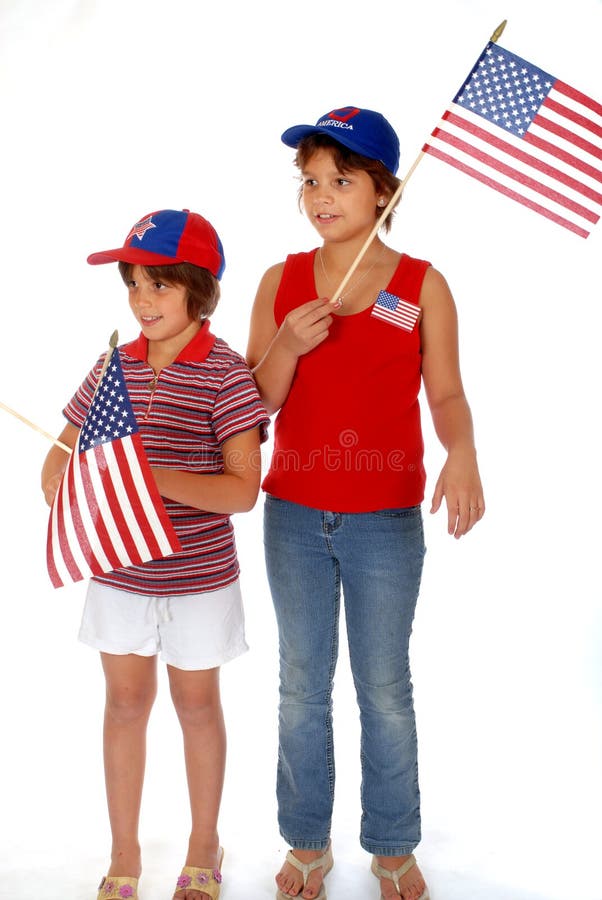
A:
{"x": 324, "y": 862}
{"x": 393, "y": 874}
{"x": 199, "y": 879}
{"x": 118, "y": 887}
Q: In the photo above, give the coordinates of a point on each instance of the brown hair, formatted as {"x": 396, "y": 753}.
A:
{"x": 201, "y": 286}
{"x": 347, "y": 161}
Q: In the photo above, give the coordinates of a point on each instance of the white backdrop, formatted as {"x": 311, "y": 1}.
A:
{"x": 113, "y": 108}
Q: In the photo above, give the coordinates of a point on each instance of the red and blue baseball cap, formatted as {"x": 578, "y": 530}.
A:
{"x": 166, "y": 237}
{"x": 362, "y": 130}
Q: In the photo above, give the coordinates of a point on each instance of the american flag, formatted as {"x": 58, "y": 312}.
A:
{"x": 396, "y": 311}
{"x": 528, "y": 135}
{"x": 107, "y": 512}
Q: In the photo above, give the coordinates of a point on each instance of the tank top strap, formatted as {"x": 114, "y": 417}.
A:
{"x": 408, "y": 277}
{"x": 297, "y": 281}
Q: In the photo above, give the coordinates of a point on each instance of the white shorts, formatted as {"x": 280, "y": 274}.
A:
{"x": 191, "y": 631}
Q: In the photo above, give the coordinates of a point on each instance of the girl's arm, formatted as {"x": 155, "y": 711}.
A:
{"x": 272, "y": 352}
{"x": 234, "y": 491}
{"x": 56, "y": 463}
{"x": 459, "y": 481}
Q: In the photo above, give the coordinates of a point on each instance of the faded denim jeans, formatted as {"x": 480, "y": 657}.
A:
{"x": 376, "y": 559}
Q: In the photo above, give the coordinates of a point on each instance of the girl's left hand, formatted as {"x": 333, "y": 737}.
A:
{"x": 460, "y": 484}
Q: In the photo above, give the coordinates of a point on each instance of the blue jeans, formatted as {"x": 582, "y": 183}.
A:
{"x": 377, "y": 560}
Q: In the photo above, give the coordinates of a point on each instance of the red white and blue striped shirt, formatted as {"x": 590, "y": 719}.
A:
{"x": 206, "y": 396}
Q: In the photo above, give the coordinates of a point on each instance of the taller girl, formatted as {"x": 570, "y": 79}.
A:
{"x": 344, "y": 491}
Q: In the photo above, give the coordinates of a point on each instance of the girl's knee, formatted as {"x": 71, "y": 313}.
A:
{"x": 128, "y": 706}
{"x": 128, "y": 703}
{"x": 196, "y": 698}
{"x": 131, "y": 686}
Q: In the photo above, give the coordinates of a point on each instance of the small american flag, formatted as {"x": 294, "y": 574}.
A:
{"x": 396, "y": 311}
{"x": 107, "y": 512}
{"x": 528, "y": 135}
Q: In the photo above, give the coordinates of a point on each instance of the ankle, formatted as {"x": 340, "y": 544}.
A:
{"x": 307, "y": 856}
{"x": 203, "y": 848}
{"x": 126, "y": 860}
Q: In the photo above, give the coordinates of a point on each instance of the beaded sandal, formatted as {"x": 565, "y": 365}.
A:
{"x": 206, "y": 880}
{"x": 396, "y": 875}
{"x": 118, "y": 887}
{"x": 324, "y": 862}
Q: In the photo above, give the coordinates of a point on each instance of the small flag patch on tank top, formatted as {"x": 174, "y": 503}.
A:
{"x": 396, "y": 311}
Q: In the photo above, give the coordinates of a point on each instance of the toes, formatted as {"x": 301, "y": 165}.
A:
{"x": 191, "y": 895}
{"x": 287, "y": 885}
{"x": 314, "y": 883}
{"x": 387, "y": 889}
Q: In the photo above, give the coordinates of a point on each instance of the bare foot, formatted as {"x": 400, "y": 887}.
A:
{"x": 210, "y": 859}
{"x": 290, "y": 880}
{"x": 411, "y": 884}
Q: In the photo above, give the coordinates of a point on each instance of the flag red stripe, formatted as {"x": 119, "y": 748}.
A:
{"x": 574, "y": 94}
{"x": 393, "y": 318}
{"x": 575, "y": 117}
{"x": 502, "y": 189}
{"x": 516, "y": 175}
{"x": 526, "y": 158}
{"x": 52, "y": 569}
{"x": 104, "y": 537}
{"x": 567, "y": 135}
{"x": 566, "y": 157}
{"x": 68, "y": 559}
{"x": 78, "y": 524}
{"x": 136, "y": 501}
{"x": 115, "y": 507}
{"x": 151, "y": 486}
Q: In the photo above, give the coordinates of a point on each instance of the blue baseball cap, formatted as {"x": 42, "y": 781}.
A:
{"x": 362, "y": 130}
{"x": 167, "y": 237}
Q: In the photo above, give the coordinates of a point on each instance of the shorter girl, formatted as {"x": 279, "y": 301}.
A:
{"x": 201, "y": 423}
{"x": 345, "y": 488}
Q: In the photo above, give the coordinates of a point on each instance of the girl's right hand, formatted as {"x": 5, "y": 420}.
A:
{"x": 307, "y": 326}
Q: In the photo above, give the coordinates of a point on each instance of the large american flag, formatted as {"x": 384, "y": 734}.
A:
{"x": 107, "y": 512}
{"x": 528, "y": 135}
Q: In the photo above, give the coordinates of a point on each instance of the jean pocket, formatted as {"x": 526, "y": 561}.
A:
{"x": 399, "y": 512}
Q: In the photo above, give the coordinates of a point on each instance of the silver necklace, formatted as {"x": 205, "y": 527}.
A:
{"x": 359, "y": 280}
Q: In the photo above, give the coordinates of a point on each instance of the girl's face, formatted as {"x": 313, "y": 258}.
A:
{"x": 339, "y": 206}
{"x": 160, "y": 308}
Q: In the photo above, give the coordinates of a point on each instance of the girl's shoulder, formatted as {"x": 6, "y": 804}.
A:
{"x": 273, "y": 275}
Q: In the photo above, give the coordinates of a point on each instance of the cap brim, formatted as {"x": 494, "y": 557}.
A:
{"x": 293, "y": 136}
{"x": 131, "y": 255}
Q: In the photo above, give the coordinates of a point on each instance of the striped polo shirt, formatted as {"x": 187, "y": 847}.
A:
{"x": 206, "y": 396}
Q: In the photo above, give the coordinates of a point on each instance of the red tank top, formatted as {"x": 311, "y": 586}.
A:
{"x": 348, "y": 436}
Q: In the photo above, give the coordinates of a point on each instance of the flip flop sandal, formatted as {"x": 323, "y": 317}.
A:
{"x": 198, "y": 879}
{"x": 325, "y": 862}
{"x": 396, "y": 874}
{"x": 118, "y": 887}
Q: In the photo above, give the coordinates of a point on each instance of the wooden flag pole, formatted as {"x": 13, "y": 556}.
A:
{"x": 35, "y": 427}
{"x": 394, "y": 199}
{"x": 112, "y": 344}
{"x": 382, "y": 218}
